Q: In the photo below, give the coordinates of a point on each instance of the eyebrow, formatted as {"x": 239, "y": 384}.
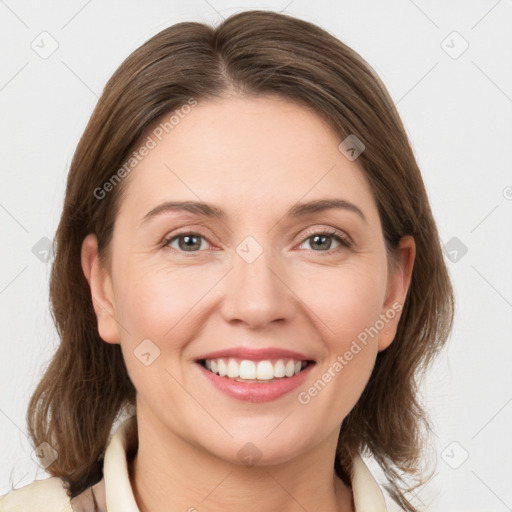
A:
{"x": 209, "y": 210}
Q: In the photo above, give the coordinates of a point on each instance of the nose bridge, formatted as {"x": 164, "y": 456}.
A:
{"x": 256, "y": 292}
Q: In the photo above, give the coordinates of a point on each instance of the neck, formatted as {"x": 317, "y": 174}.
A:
{"x": 169, "y": 473}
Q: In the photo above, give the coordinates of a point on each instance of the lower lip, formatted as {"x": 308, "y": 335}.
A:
{"x": 254, "y": 391}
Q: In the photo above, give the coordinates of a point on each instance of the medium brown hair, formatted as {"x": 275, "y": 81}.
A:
{"x": 86, "y": 384}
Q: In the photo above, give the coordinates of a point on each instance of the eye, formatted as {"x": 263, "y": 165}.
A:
{"x": 192, "y": 242}
{"x": 322, "y": 240}
{"x": 187, "y": 242}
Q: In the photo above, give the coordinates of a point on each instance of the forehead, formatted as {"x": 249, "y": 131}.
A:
{"x": 243, "y": 152}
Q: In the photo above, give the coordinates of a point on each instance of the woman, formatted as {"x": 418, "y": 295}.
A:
{"x": 247, "y": 265}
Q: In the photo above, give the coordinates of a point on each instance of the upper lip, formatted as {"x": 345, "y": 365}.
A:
{"x": 255, "y": 354}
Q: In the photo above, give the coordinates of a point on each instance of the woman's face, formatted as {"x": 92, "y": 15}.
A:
{"x": 263, "y": 281}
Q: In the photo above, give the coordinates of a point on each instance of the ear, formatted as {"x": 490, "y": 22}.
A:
{"x": 399, "y": 279}
{"x": 102, "y": 294}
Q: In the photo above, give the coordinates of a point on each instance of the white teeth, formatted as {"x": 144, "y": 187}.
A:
{"x": 247, "y": 369}
{"x": 279, "y": 369}
{"x": 254, "y": 370}
{"x": 221, "y": 368}
{"x": 233, "y": 369}
{"x": 265, "y": 370}
{"x": 289, "y": 369}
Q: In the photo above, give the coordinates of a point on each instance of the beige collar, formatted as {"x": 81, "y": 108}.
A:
{"x": 114, "y": 492}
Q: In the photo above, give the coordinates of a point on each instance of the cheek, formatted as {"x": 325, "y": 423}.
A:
{"x": 347, "y": 304}
{"x": 161, "y": 305}
{"x": 156, "y": 311}
{"x": 158, "y": 302}
{"x": 345, "y": 301}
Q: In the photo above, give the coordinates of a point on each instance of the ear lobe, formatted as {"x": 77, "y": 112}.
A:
{"x": 100, "y": 285}
{"x": 399, "y": 280}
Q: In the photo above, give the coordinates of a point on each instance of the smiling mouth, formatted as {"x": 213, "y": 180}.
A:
{"x": 246, "y": 370}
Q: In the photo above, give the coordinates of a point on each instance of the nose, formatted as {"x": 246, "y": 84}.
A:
{"x": 256, "y": 293}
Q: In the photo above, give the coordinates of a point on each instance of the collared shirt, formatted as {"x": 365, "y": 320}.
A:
{"x": 113, "y": 493}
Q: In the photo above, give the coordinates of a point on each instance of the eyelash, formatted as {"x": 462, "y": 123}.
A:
{"x": 334, "y": 233}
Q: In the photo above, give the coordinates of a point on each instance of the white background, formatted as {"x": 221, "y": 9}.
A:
{"x": 457, "y": 112}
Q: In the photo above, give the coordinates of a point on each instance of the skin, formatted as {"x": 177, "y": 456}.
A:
{"x": 254, "y": 158}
